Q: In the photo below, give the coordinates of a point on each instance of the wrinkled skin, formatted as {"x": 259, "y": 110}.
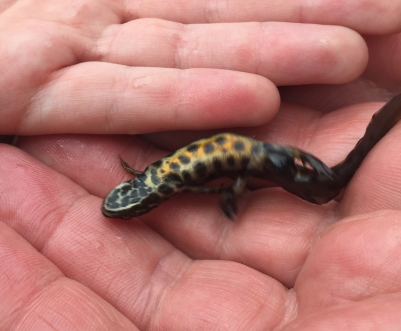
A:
{"x": 75, "y": 68}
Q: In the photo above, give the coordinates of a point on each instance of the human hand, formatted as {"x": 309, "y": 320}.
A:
{"x": 118, "y": 274}
{"x": 284, "y": 263}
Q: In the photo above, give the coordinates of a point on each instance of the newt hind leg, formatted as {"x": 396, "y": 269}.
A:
{"x": 228, "y": 199}
{"x": 314, "y": 163}
{"x": 228, "y": 196}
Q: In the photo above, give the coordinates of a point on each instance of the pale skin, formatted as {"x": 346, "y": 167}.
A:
{"x": 69, "y": 69}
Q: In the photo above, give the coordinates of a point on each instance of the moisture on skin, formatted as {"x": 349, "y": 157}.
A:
{"x": 233, "y": 155}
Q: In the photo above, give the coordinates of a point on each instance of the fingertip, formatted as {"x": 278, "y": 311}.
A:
{"x": 351, "y": 53}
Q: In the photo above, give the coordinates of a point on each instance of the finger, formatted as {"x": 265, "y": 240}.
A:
{"x": 287, "y": 54}
{"x": 382, "y": 15}
{"x": 128, "y": 264}
{"x": 105, "y": 98}
{"x": 35, "y": 294}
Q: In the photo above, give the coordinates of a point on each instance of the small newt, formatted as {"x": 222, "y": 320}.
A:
{"x": 228, "y": 155}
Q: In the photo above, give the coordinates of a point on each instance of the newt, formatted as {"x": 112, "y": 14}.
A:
{"x": 242, "y": 157}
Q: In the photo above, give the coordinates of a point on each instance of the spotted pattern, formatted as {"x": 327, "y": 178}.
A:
{"x": 186, "y": 169}
{"x": 229, "y": 154}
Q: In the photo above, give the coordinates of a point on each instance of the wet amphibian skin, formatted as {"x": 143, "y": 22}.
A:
{"x": 232, "y": 155}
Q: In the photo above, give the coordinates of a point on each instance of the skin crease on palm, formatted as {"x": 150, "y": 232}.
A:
{"x": 80, "y": 78}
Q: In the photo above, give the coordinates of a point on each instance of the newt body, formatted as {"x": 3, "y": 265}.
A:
{"x": 228, "y": 155}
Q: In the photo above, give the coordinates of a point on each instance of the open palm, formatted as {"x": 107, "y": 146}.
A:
{"x": 283, "y": 263}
